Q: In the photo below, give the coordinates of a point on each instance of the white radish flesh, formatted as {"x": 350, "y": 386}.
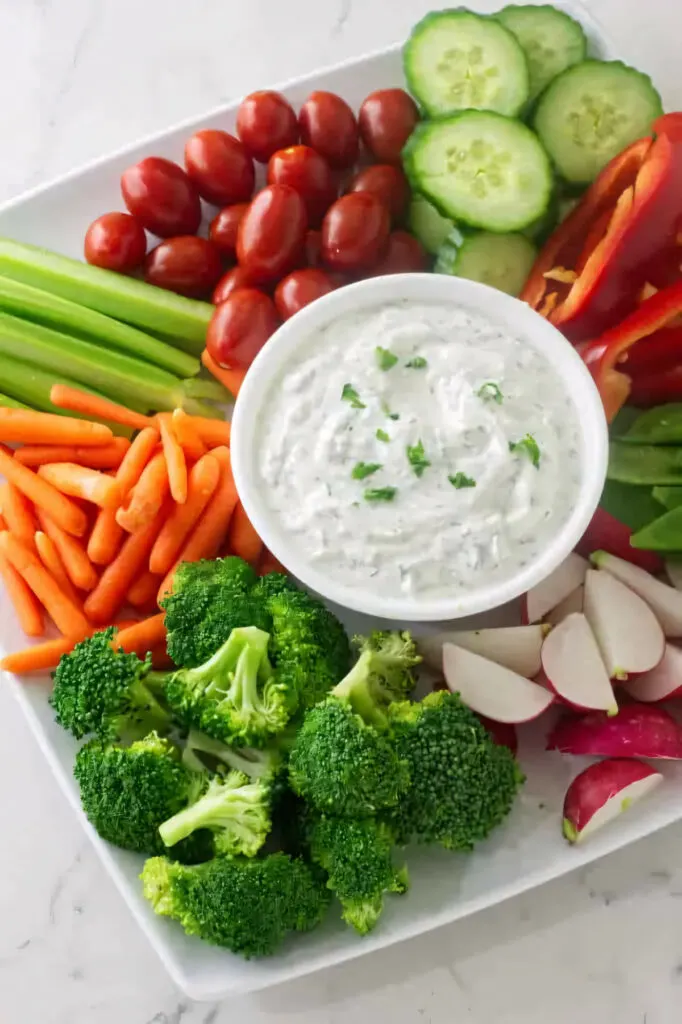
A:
{"x": 664, "y": 601}
{"x": 574, "y": 668}
{"x": 573, "y": 603}
{"x": 638, "y": 730}
{"x": 628, "y": 633}
{"x": 602, "y": 792}
{"x": 491, "y": 689}
{"x": 662, "y": 683}
{"x": 673, "y": 569}
{"x": 515, "y": 647}
{"x": 555, "y": 588}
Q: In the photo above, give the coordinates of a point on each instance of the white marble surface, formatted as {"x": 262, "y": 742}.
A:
{"x": 79, "y": 78}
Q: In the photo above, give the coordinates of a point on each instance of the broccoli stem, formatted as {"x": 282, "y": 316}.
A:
{"x": 356, "y": 690}
{"x": 235, "y": 805}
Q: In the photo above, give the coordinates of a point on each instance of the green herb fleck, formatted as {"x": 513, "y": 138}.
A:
{"x": 381, "y": 494}
{"x": 490, "y": 392}
{"x": 386, "y": 409}
{"x": 385, "y": 359}
{"x": 416, "y": 363}
{"x": 349, "y": 394}
{"x": 528, "y": 446}
{"x": 364, "y": 469}
{"x": 381, "y": 435}
{"x": 416, "y": 457}
{"x": 460, "y": 480}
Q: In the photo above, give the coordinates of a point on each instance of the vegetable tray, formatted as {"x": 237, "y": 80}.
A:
{"x": 526, "y": 851}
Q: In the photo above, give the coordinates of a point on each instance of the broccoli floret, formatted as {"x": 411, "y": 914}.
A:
{"x": 343, "y": 761}
{"x": 356, "y": 856}
{"x": 235, "y": 809}
{"x": 209, "y": 599}
{"x": 393, "y": 656}
{"x": 234, "y": 696}
{"x": 127, "y": 792}
{"x": 257, "y": 764}
{"x": 462, "y": 783}
{"x": 248, "y": 906}
{"x": 100, "y": 690}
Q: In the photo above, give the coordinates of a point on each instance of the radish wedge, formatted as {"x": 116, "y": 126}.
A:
{"x": 628, "y": 633}
{"x": 662, "y": 683}
{"x": 515, "y": 647}
{"x": 573, "y": 603}
{"x": 664, "y": 601}
{"x": 503, "y": 733}
{"x": 638, "y": 730}
{"x": 492, "y": 690}
{"x": 673, "y": 570}
{"x": 602, "y": 792}
{"x": 574, "y": 669}
{"x": 554, "y": 589}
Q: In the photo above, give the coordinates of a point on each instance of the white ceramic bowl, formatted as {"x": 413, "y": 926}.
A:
{"x": 516, "y": 317}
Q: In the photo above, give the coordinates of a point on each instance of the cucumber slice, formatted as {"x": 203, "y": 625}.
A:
{"x": 457, "y": 60}
{"x": 427, "y": 224}
{"x": 551, "y": 40}
{"x": 501, "y": 261}
{"x": 593, "y": 111}
{"x": 540, "y": 230}
{"x": 486, "y": 170}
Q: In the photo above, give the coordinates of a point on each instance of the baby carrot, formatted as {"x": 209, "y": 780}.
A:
{"x": 187, "y": 435}
{"x": 232, "y": 379}
{"x": 30, "y": 427}
{"x": 203, "y": 480}
{"x": 109, "y": 595}
{"x": 242, "y": 539}
{"x": 26, "y": 605}
{"x": 43, "y": 494}
{"x": 105, "y": 456}
{"x": 143, "y": 636}
{"x": 66, "y": 616}
{"x": 268, "y": 563}
{"x": 81, "y": 482}
{"x": 214, "y": 433}
{"x": 210, "y": 531}
{"x": 41, "y": 657}
{"x": 142, "y": 594}
{"x": 146, "y": 497}
{"x": 105, "y": 538}
{"x": 18, "y": 514}
{"x": 65, "y": 397}
{"x": 175, "y": 462}
{"x": 49, "y": 556}
{"x": 72, "y": 554}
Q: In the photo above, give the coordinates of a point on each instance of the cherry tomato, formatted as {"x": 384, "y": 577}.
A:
{"x": 328, "y": 125}
{"x": 387, "y": 118}
{"x": 238, "y": 277}
{"x": 186, "y": 264}
{"x": 299, "y": 289}
{"x": 354, "y": 232}
{"x": 388, "y": 184}
{"x": 240, "y": 326}
{"x": 271, "y": 234}
{"x": 224, "y": 227}
{"x": 303, "y": 169}
{"x": 266, "y": 122}
{"x": 115, "y": 241}
{"x": 404, "y": 255}
{"x": 162, "y": 197}
{"x": 220, "y": 167}
{"x": 313, "y": 248}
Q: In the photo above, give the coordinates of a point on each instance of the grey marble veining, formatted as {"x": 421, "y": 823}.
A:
{"x": 604, "y": 946}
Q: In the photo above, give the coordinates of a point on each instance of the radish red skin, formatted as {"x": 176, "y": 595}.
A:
{"x": 605, "y": 533}
{"x": 594, "y": 787}
{"x": 638, "y": 730}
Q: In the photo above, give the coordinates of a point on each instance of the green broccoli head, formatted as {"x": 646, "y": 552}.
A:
{"x": 357, "y": 857}
{"x": 234, "y": 696}
{"x": 462, "y": 783}
{"x": 247, "y": 906}
{"x": 342, "y": 765}
{"x": 127, "y": 792}
{"x": 209, "y": 599}
{"x": 392, "y": 656}
{"x": 235, "y": 809}
{"x": 100, "y": 690}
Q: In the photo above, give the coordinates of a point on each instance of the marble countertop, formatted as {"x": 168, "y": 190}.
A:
{"x": 80, "y": 78}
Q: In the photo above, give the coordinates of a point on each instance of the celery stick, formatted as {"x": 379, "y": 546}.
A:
{"x": 11, "y": 403}
{"x": 212, "y": 390}
{"x": 107, "y": 371}
{"x": 183, "y": 321}
{"x": 33, "y": 304}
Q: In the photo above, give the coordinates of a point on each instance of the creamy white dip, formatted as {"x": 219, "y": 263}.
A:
{"x": 457, "y": 503}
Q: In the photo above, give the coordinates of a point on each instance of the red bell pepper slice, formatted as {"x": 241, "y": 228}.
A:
{"x": 659, "y": 352}
{"x": 645, "y": 225}
{"x": 605, "y": 533}
{"x": 657, "y": 387}
{"x": 565, "y": 245}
